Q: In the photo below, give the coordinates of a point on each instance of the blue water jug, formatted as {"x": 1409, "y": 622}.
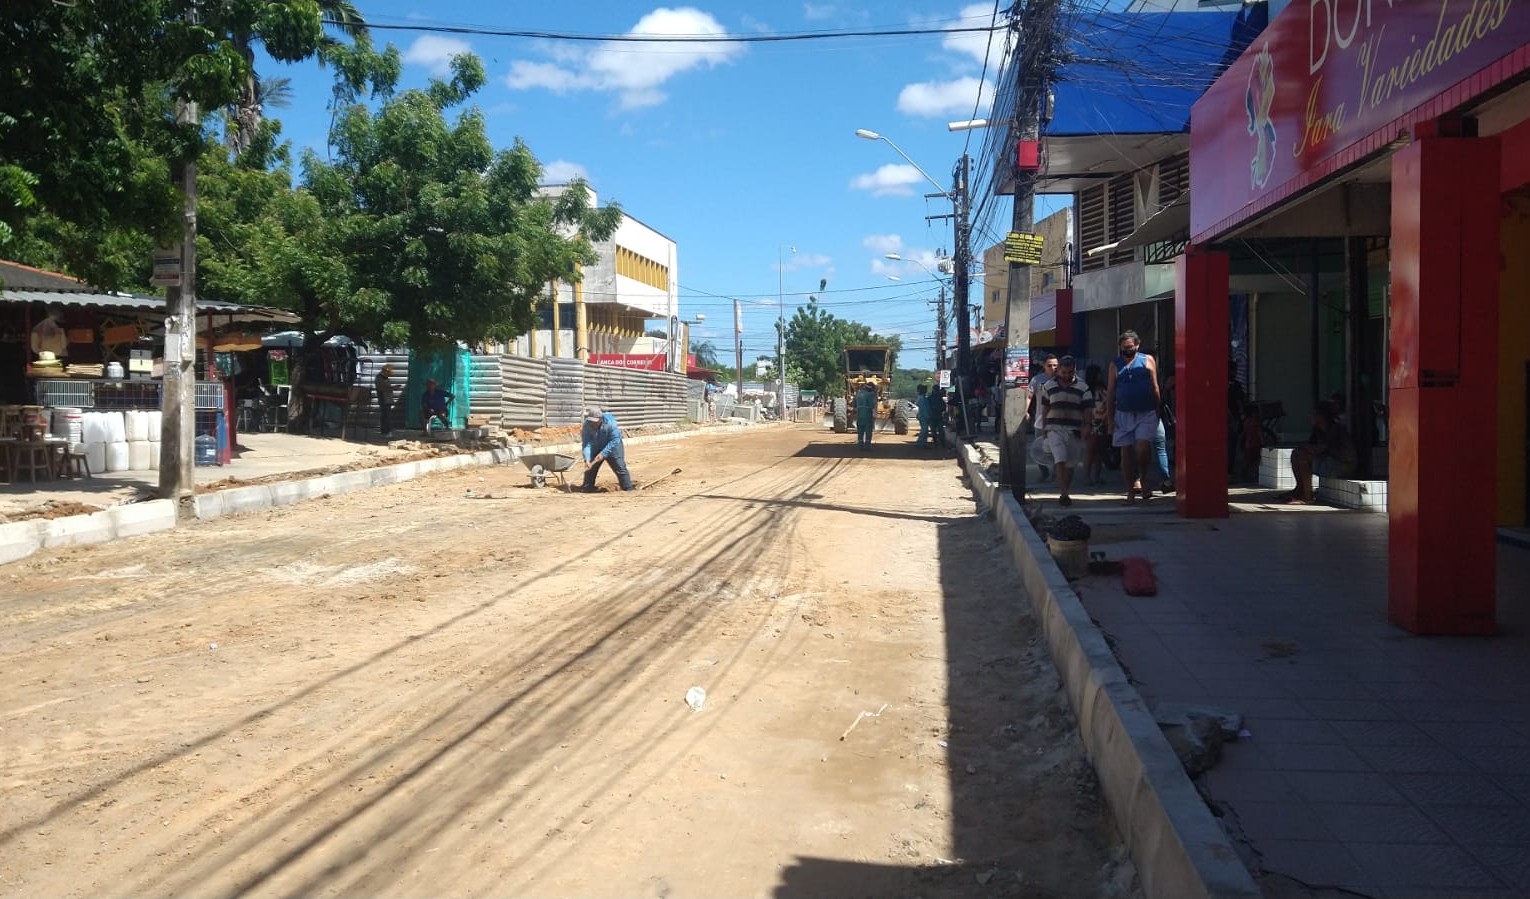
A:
{"x": 207, "y": 449}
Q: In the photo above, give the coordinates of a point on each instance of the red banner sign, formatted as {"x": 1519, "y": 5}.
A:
{"x": 1331, "y": 82}
{"x": 642, "y": 361}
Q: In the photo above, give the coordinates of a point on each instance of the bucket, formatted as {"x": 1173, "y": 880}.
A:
{"x": 34, "y": 417}
{"x": 1072, "y": 556}
{"x": 68, "y": 422}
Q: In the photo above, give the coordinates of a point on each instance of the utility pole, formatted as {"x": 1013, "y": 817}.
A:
{"x": 738, "y": 348}
{"x": 1037, "y": 24}
{"x": 178, "y": 397}
{"x": 940, "y": 329}
{"x": 962, "y": 200}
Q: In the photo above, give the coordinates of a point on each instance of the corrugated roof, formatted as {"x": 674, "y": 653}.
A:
{"x": 233, "y": 312}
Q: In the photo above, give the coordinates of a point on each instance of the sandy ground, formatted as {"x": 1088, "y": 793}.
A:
{"x": 413, "y": 691}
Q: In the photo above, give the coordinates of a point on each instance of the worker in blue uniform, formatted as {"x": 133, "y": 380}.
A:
{"x": 601, "y": 441}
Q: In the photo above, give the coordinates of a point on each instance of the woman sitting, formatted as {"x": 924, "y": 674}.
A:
{"x": 1328, "y": 453}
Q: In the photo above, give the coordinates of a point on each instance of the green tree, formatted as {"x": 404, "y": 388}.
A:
{"x": 906, "y": 381}
{"x": 815, "y": 343}
{"x": 90, "y": 136}
{"x": 416, "y": 234}
{"x": 705, "y": 353}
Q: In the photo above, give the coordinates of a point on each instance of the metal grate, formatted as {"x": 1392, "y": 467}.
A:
{"x": 69, "y": 394}
{"x": 1091, "y": 226}
{"x": 210, "y": 395}
{"x": 113, "y": 394}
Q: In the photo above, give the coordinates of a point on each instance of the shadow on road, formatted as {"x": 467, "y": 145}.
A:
{"x": 882, "y": 447}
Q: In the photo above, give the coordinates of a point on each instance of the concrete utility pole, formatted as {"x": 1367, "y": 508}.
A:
{"x": 961, "y": 199}
{"x": 178, "y": 397}
{"x": 738, "y": 348}
{"x": 1037, "y": 24}
{"x": 940, "y": 329}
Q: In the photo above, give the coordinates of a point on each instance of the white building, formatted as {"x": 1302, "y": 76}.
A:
{"x": 634, "y": 287}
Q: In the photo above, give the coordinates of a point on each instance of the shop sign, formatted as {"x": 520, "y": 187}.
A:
{"x": 167, "y": 267}
{"x": 1022, "y": 247}
{"x": 1330, "y": 82}
{"x": 639, "y": 361}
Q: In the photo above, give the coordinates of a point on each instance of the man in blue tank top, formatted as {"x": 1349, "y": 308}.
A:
{"x": 1131, "y": 407}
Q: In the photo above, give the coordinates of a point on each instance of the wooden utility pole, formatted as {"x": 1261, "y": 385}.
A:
{"x": 1036, "y": 64}
{"x": 178, "y": 396}
{"x": 961, "y": 199}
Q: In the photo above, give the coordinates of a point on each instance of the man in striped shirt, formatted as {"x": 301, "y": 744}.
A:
{"x": 1066, "y": 405}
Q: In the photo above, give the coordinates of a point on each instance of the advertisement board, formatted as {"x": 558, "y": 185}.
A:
{"x": 1332, "y": 82}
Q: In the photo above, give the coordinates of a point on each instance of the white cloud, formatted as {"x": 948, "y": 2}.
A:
{"x": 561, "y": 171}
{"x": 633, "y": 71}
{"x": 891, "y": 180}
{"x": 816, "y": 12}
{"x": 943, "y": 98}
{"x": 975, "y": 43}
{"x": 882, "y": 244}
{"x": 795, "y": 261}
{"x": 435, "y": 52}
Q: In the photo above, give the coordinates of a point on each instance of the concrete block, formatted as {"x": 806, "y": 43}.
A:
{"x": 77, "y": 530}
{"x": 137, "y": 519}
{"x": 1179, "y": 849}
{"x": 19, "y": 539}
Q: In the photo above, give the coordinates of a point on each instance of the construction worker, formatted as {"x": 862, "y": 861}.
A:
{"x": 922, "y": 403}
{"x": 935, "y": 413}
{"x": 865, "y": 414}
{"x": 601, "y": 439}
{"x": 384, "y": 393}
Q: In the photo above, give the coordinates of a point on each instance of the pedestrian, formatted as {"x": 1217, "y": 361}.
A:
{"x": 1328, "y": 453}
{"x": 601, "y": 441}
{"x": 437, "y": 404}
{"x": 383, "y": 388}
{"x": 922, "y": 405}
{"x": 865, "y": 415}
{"x": 1065, "y": 407}
{"x": 935, "y": 405}
{"x": 711, "y": 392}
{"x": 1097, "y": 441}
{"x": 1132, "y": 398}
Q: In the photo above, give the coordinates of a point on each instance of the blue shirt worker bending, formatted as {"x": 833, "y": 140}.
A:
{"x": 601, "y": 439}
{"x": 865, "y": 415}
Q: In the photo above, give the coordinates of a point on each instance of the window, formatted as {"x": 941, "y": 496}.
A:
{"x": 1091, "y": 226}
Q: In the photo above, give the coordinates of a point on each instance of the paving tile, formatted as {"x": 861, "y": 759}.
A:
{"x": 1293, "y": 820}
{"x": 1310, "y": 861}
{"x": 1235, "y": 784}
{"x": 1243, "y": 688}
{"x": 1362, "y": 733}
{"x": 1401, "y": 867}
{"x": 1498, "y": 759}
{"x": 1312, "y": 757}
{"x": 1447, "y": 710}
{"x": 1510, "y": 863}
{"x": 1290, "y": 730}
{"x": 1349, "y": 709}
{"x": 1452, "y": 790}
{"x": 1343, "y": 786}
{"x": 1357, "y": 823}
{"x": 1334, "y": 690}
{"x": 1267, "y": 707}
{"x": 1517, "y": 784}
{"x": 1480, "y": 826}
{"x": 1412, "y": 759}
{"x": 1482, "y": 733}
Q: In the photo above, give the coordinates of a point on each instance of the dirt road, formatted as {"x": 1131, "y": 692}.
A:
{"x": 412, "y": 692}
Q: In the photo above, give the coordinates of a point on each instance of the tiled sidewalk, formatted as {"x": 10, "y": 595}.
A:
{"x": 1377, "y": 762}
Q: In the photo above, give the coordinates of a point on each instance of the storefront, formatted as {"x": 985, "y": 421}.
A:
{"x": 1395, "y": 139}
{"x": 97, "y": 358}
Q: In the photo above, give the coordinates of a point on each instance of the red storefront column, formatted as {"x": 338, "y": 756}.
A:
{"x": 1200, "y": 383}
{"x": 1441, "y": 542}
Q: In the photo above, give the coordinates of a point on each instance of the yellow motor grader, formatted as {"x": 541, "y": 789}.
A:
{"x": 869, "y": 365}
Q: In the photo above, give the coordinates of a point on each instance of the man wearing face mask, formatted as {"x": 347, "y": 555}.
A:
{"x": 1132, "y": 399}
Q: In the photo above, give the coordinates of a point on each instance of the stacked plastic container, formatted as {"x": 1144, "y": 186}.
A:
{"x": 121, "y": 441}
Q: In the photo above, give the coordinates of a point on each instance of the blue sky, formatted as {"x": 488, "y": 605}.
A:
{"x": 733, "y": 150}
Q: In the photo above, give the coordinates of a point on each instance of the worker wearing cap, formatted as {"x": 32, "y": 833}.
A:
{"x": 601, "y": 440}
{"x": 384, "y": 390}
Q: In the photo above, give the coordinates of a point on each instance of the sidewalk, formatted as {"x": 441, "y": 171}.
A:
{"x": 1377, "y": 762}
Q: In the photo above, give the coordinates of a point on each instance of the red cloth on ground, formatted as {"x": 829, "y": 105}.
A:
{"x": 1137, "y": 575}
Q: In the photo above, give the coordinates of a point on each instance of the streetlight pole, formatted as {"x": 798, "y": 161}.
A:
{"x": 781, "y": 329}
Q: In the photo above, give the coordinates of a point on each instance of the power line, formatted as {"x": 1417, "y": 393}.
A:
{"x": 667, "y": 38}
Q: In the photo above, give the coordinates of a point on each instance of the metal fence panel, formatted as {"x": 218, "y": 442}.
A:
{"x": 523, "y": 392}
{"x": 565, "y": 391}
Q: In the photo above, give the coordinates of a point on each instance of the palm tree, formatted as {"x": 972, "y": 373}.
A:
{"x": 245, "y": 116}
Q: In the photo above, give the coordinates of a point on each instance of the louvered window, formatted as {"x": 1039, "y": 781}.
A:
{"x": 1091, "y": 227}
{"x": 1121, "y": 200}
{"x": 1173, "y": 178}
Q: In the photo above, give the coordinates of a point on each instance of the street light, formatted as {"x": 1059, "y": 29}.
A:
{"x": 872, "y": 135}
{"x": 781, "y": 328}
{"x": 895, "y": 257}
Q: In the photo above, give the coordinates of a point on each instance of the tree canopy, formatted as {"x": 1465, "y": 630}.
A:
{"x": 416, "y": 233}
{"x": 815, "y": 342}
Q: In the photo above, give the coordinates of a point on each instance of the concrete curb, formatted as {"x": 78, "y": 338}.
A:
{"x": 20, "y": 539}
{"x": 1179, "y": 849}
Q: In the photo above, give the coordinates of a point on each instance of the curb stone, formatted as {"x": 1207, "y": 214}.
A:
{"x": 1179, "y": 849}
{"x": 20, "y": 539}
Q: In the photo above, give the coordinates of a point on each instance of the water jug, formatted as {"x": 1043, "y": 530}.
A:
{"x": 207, "y": 449}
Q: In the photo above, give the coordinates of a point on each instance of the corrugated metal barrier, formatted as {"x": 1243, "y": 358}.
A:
{"x": 565, "y": 391}
{"x": 523, "y": 391}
